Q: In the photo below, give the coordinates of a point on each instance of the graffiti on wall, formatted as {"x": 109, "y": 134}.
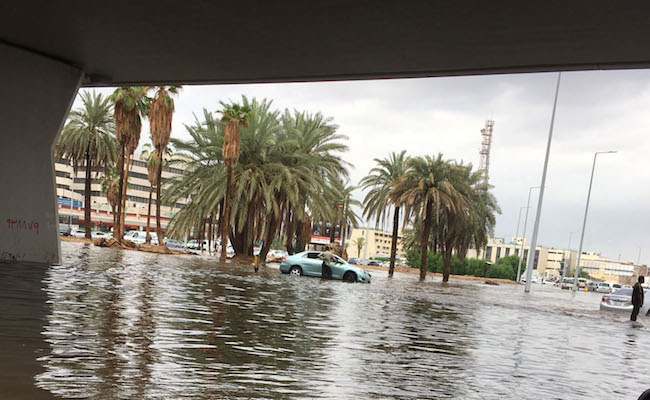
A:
{"x": 22, "y": 225}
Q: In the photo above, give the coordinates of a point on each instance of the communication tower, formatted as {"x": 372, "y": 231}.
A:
{"x": 486, "y": 143}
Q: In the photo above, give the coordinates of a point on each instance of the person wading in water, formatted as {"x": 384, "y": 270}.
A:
{"x": 637, "y": 298}
{"x": 328, "y": 258}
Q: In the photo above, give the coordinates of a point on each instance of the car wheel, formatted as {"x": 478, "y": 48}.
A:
{"x": 295, "y": 270}
{"x": 350, "y": 277}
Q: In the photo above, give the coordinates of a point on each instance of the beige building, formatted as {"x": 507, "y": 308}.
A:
{"x": 377, "y": 243}
{"x": 70, "y": 193}
{"x": 549, "y": 262}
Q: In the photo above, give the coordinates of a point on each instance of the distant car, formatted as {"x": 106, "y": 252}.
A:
{"x": 373, "y": 262}
{"x": 567, "y": 283}
{"x": 79, "y": 233}
{"x": 604, "y": 287}
{"x": 582, "y": 283}
{"x": 621, "y": 300}
{"x": 140, "y": 237}
{"x": 353, "y": 260}
{"x": 64, "y": 230}
{"x": 627, "y": 287}
{"x": 276, "y": 256}
{"x": 173, "y": 244}
{"x": 100, "y": 234}
{"x": 307, "y": 263}
{"x": 616, "y": 286}
{"x": 591, "y": 286}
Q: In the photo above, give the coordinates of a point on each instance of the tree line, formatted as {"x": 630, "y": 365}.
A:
{"x": 256, "y": 176}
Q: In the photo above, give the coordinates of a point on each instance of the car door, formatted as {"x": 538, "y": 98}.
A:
{"x": 339, "y": 268}
{"x": 311, "y": 264}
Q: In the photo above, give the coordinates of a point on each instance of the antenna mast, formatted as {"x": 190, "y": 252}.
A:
{"x": 486, "y": 144}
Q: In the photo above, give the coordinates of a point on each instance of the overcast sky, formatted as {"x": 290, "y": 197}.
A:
{"x": 597, "y": 111}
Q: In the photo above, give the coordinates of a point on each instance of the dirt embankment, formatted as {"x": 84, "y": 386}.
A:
{"x": 125, "y": 245}
{"x": 409, "y": 270}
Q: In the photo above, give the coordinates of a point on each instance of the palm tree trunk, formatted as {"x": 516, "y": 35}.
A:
{"x": 87, "y": 205}
{"x": 124, "y": 186}
{"x": 210, "y": 233}
{"x": 446, "y": 256}
{"x": 332, "y": 231}
{"x": 424, "y": 244}
{"x": 148, "y": 238}
{"x": 291, "y": 231}
{"x": 225, "y": 224}
{"x": 393, "y": 245}
{"x": 117, "y": 229}
{"x": 158, "y": 186}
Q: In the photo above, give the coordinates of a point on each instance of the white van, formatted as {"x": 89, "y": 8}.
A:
{"x": 140, "y": 237}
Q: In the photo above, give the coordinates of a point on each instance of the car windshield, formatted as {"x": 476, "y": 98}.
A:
{"x": 623, "y": 292}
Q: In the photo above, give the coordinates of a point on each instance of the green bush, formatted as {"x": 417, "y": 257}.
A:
{"x": 504, "y": 268}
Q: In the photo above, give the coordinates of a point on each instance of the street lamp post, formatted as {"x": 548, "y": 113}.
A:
{"x": 584, "y": 221}
{"x": 540, "y": 201}
{"x": 523, "y": 237}
{"x": 565, "y": 258}
{"x": 519, "y": 220}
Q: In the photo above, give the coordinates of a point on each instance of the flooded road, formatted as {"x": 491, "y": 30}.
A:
{"x": 129, "y": 325}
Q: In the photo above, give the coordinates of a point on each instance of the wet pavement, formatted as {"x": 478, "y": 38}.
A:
{"x": 129, "y": 325}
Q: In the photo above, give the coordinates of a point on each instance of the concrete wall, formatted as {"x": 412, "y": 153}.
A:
{"x": 35, "y": 96}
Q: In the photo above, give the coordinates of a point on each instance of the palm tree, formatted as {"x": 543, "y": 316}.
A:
{"x": 359, "y": 242}
{"x": 427, "y": 189}
{"x": 110, "y": 187}
{"x": 130, "y": 104}
{"x": 379, "y": 199}
{"x": 87, "y": 139}
{"x": 160, "y": 118}
{"x": 233, "y": 116}
{"x": 151, "y": 158}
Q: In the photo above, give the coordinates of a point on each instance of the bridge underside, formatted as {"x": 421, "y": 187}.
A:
{"x": 50, "y": 48}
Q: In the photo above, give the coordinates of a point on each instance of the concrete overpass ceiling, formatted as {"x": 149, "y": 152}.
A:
{"x": 144, "y": 41}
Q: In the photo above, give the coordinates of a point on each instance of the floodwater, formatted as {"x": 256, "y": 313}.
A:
{"x": 110, "y": 324}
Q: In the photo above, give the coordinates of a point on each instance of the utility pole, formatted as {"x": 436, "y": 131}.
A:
{"x": 531, "y": 254}
{"x": 584, "y": 221}
{"x": 523, "y": 239}
{"x": 565, "y": 258}
{"x": 519, "y": 220}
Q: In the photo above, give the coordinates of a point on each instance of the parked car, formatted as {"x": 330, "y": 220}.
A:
{"x": 582, "y": 283}
{"x": 65, "y": 230}
{"x": 79, "y": 233}
{"x": 140, "y": 237}
{"x": 173, "y": 244}
{"x": 604, "y": 287}
{"x": 621, "y": 300}
{"x": 567, "y": 283}
{"x": 353, "y": 260}
{"x": 100, "y": 234}
{"x": 276, "y": 256}
{"x": 615, "y": 287}
{"x": 373, "y": 262}
{"x": 627, "y": 287}
{"x": 591, "y": 286}
{"x": 307, "y": 263}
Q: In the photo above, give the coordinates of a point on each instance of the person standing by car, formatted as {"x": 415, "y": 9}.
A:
{"x": 328, "y": 258}
{"x": 637, "y": 298}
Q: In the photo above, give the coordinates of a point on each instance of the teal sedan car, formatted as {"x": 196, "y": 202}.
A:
{"x": 307, "y": 263}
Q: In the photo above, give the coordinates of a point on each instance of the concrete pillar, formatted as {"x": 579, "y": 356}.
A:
{"x": 36, "y": 94}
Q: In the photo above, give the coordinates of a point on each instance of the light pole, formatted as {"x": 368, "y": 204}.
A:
{"x": 569, "y": 259}
{"x": 519, "y": 220}
{"x": 540, "y": 201}
{"x": 523, "y": 237}
{"x": 584, "y": 221}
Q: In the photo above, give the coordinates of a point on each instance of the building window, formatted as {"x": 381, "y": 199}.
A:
{"x": 525, "y": 254}
{"x": 488, "y": 252}
{"x": 498, "y": 252}
{"x": 536, "y": 259}
{"x": 517, "y": 252}
{"x": 507, "y": 251}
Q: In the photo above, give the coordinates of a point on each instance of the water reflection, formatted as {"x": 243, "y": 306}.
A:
{"x": 130, "y": 325}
